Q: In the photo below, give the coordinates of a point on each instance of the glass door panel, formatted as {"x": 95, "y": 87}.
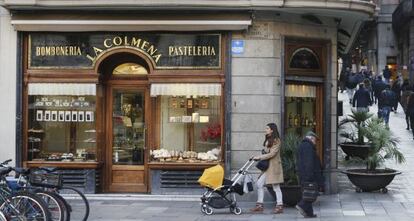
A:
{"x": 128, "y": 127}
{"x": 300, "y": 104}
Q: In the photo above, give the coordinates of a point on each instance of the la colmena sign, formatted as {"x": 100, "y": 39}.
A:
{"x": 167, "y": 51}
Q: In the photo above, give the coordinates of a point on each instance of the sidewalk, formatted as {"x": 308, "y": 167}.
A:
{"x": 347, "y": 205}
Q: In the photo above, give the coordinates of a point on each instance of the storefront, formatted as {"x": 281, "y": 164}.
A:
{"x": 123, "y": 109}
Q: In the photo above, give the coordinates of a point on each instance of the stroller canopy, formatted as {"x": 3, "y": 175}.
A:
{"x": 212, "y": 177}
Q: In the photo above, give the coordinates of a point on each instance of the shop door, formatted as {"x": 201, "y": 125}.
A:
{"x": 126, "y": 120}
{"x": 304, "y": 110}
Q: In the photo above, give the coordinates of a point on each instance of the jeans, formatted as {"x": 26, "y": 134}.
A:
{"x": 350, "y": 93}
{"x": 260, "y": 190}
{"x": 384, "y": 113}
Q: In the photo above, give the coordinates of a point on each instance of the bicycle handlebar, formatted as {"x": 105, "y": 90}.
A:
{"x": 6, "y": 162}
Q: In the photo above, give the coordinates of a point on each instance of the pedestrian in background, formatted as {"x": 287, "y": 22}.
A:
{"x": 351, "y": 83}
{"x": 410, "y": 109}
{"x": 387, "y": 74}
{"x": 396, "y": 88}
{"x": 274, "y": 174}
{"x": 405, "y": 95}
{"x": 362, "y": 98}
{"x": 342, "y": 79}
{"x": 379, "y": 86}
{"x": 386, "y": 101}
{"x": 309, "y": 170}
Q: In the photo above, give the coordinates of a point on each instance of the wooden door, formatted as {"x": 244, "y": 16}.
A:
{"x": 126, "y": 138}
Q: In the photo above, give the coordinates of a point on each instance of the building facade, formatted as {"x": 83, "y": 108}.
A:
{"x": 402, "y": 24}
{"x": 141, "y": 97}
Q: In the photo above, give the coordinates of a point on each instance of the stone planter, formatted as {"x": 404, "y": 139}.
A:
{"x": 355, "y": 150}
{"x": 367, "y": 181}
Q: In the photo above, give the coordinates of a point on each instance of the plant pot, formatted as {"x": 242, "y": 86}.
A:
{"x": 367, "y": 181}
{"x": 291, "y": 194}
{"x": 355, "y": 150}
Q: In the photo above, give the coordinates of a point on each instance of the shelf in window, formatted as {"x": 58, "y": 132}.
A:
{"x": 32, "y": 130}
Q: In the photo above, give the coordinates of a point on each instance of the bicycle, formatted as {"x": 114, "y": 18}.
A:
{"x": 50, "y": 180}
{"x": 21, "y": 205}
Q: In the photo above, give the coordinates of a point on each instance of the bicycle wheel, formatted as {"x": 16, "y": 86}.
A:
{"x": 56, "y": 206}
{"x": 25, "y": 206}
{"x": 2, "y": 217}
{"x": 76, "y": 206}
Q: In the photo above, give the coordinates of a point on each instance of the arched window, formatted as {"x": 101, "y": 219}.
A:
{"x": 304, "y": 58}
{"x": 130, "y": 69}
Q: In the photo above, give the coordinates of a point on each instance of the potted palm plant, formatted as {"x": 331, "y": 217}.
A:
{"x": 291, "y": 189}
{"x": 354, "y": 134}
{"x": 383, "y": 146}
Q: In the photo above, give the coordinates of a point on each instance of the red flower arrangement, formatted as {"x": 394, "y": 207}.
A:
{"x": 212, "y": 131}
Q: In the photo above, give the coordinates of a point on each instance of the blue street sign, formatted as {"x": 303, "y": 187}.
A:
{"x": 237, "y": 46}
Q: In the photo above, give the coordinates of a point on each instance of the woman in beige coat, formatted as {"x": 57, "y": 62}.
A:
{"x": 274, "y": 174}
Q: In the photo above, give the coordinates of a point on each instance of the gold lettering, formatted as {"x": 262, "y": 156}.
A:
{"x": 204, "y": 50}
{"x": 170, "y": 50}
{"x": 151, "y": 50}
{"x": 144, "y": 45}
{"x": 106, "y": 44}
{"x": 37, "y": 51}
{"x": 97, "y": 50}
{"x": 58, "y": 51}
{"x": 117, "y": 41}
{"x": 136, "y": 42}
{"x": 90, "y": 58}
{"x": 126, "y": 41}
{"x": 212, "y": 51}
{"x": 157, "y": 57}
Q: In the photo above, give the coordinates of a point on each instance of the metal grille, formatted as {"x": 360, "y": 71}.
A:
{"x": 180, "y": 179}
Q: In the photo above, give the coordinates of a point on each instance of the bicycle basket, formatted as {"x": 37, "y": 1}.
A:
{"x": 49, "y": 180}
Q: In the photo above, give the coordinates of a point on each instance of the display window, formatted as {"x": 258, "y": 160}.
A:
{"x": 300, "y": 103}
{"x": 61, "y": 122}
{"x": 190, "y": 128}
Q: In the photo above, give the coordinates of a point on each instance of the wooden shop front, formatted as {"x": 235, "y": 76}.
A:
{"x": 109, "y": 108}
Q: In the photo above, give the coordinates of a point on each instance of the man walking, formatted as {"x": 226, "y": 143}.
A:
{"x": 309, "y": 170}
{"x": 362, "y": 98}
{"x": 387, "y": 74}
{"x": 386, "y": 101}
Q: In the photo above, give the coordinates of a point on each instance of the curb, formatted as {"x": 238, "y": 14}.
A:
{"x": 135, "y": 197}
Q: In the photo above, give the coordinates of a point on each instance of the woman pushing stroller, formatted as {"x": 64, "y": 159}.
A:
{"x": 273, "y": 175}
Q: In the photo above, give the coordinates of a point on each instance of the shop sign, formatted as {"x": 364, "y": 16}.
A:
{"x": 167, "y": 51}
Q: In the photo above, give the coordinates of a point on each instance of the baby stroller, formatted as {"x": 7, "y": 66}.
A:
{"x": 220, "y": 192}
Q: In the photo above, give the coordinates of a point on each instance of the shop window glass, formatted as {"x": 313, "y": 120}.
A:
{"x": 61, "y": 127}
{"x": 300, "y": 104}
{"x": 190, "y": 129}
{"x": 130, "y": 69}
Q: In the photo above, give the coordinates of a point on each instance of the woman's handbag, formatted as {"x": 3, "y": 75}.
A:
{"x": 262, "y": 165}
{"x": 310, "y": 191}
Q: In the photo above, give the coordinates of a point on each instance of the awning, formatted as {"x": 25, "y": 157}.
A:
{"x": 186, "y": 89}
{"x": 61, "y": 89}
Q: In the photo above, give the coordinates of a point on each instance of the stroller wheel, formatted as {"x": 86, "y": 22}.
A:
{"x": 236, "y": 210}
{"x": 208, "y": 210}
{"x": 203, "y": 208}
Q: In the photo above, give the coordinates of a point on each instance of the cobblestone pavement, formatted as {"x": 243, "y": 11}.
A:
{"x": 347, "y": 205}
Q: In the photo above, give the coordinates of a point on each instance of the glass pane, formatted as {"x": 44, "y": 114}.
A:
{"x": 128, "y": 127}
{"x": 62, "y": 128}
{"x": 190, "y": 129}
{"x": 300, "y": 104}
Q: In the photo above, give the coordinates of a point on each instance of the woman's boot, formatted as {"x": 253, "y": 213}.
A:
{"x": 258, "y": 208}
{"x": 278, "y": 209}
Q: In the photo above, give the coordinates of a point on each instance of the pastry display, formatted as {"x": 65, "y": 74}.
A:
{"x": 164, "y": 155}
